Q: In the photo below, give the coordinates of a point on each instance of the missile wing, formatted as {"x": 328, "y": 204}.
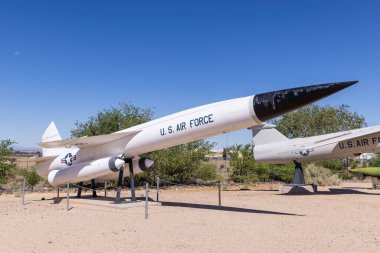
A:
{"x": 85, "y": 142}
{"x": 346, "y": 136}
{"x": 36, "y": 159}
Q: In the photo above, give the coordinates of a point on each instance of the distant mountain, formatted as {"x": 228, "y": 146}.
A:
{"x": 26, "y": 149}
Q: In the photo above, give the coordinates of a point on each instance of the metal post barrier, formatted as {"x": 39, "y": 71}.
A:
{"x": 23, "y": 192}
{"x": 219, "y": 194}
{"x": 105, "y": 189}
{"x": 158, "y": 188}
{"x": 146, "y": 200}
{"x": 67, "y": 197}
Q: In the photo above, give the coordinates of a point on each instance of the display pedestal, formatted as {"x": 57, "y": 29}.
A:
{"x": 298, "y": 189}
{"x": 298, "y": 186}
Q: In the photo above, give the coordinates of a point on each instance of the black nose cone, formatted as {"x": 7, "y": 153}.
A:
{"x": 273, "y": 104}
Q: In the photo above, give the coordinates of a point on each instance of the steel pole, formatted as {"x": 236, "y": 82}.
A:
{"x": 219, "y": 194}
{"x": 67, "y": 196}
{"x": 158, "y": 188}
{"x": 146, "y": 200}
{"x": 23, "y": 192}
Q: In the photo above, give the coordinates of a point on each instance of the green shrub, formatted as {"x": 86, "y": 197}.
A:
{"x": 333, "y": 165}
{"x": 375, "y": 162}
{"x": 31, "y": 176}
{"x": 262, "y": 172}
{"x": 206, "y": 172}
{"x": 182, "y": 163}
{"x": 282, "y": 173}
{"x": 8, "y": 167}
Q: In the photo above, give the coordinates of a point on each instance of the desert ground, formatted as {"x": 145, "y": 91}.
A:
{"x": 337, "y": 219}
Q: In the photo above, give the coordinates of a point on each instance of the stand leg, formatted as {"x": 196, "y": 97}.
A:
{"x": 119, "y": 185}
{"x": 298, "y": 186}
{"x": 79, "y": 194}
{"x": 298, "y": 178}
{"x": 93, "y": 188}
{"x": 105, "y": 189}
{"x": 132, "y": 177}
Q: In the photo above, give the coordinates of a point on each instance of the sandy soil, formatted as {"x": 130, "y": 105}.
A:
{"x": 346, "y": 219}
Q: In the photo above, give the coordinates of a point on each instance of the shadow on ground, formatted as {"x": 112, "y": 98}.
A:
{"x": 184, "y": 205}
{"x": 359, "y": 188}
{"x": 333, "y": 191}
{"x": 224, "y": 208}
{"x": 340, "y": 191}
{"x": 58, "y": 200}
{"x": 245, "y": 190}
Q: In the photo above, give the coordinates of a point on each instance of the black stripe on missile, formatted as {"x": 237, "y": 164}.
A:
{"x": 273, "y": 104}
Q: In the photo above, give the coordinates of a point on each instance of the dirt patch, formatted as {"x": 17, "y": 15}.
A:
{"x": 343, "y": 219}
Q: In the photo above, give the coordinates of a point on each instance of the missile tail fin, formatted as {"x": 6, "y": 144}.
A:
{"x": 267, "y": 135}
{"x": 51, "y": 134}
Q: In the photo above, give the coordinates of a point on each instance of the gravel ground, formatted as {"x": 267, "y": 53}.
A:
{"x": 344, "y": 219}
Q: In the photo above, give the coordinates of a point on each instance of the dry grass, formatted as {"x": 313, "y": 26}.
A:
{"x": 320, "y": 176}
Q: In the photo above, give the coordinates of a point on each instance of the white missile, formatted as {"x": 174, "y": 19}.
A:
{"x": 274, "y": 148}
{"x": 85, "y": 171}
{"x": 183, "y": 127}
{"x": 101, "y": 168}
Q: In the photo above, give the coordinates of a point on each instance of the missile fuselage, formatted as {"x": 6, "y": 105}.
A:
{"x": 85, "y": 171}
{"x": 320, "y": 147}
{"x": 223, "y": 117}
{"x": 191, "y": 125}
{"x": 369, "y": 171}
{"x": 99, "y": 168}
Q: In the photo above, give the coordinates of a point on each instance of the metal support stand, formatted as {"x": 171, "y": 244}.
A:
{"x": 105, "y": 189}
{"x": 299, "y": 178}
{"x": 119, "y": 186}
{"x": 58, "y": 192}
{"x": 298, "y": 186}
{"x": 93, "y": 186}
{"x": 132, "y": 178}
{"x": 79, "y": 194}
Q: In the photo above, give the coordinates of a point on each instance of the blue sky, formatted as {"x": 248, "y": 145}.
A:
{"x": 67, "y": 60}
